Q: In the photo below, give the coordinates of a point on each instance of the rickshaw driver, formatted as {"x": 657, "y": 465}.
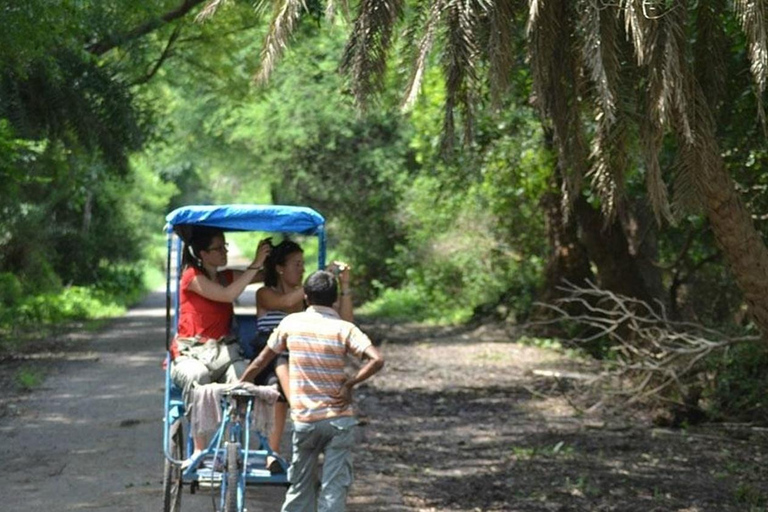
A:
{"x": 320, "y": 394}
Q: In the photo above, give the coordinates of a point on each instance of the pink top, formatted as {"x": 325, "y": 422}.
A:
{"x": 199, "y": 316}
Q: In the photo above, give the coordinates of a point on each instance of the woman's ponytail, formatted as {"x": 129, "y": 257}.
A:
{"x": 200, "y": 240}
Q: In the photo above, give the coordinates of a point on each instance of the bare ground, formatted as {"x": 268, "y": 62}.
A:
{"x": 459, "y": 420}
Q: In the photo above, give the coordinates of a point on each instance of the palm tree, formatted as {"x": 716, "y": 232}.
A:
{"x": 679, "y": 91}
{"x": 615, "y": 81}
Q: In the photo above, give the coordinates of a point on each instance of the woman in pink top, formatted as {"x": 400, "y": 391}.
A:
{"x": 200, "y": 352}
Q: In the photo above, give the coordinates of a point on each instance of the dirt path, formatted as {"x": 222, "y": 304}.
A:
{"x": 91, "y": 437}
{"x": 456, "y": 422}
{"x": 459, "y": 422}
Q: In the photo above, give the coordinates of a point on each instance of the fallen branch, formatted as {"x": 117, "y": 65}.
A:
{"x": 657, "y": 354}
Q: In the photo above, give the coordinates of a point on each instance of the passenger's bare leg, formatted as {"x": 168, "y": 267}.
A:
{"x": 281, "y": 413}
{"x": 281, "y": 370}
{"x": 281, "y": 410}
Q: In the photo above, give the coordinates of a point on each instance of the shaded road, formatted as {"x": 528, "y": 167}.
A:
{"x": 91, "y": 437}
{"x": 459, "y": 421}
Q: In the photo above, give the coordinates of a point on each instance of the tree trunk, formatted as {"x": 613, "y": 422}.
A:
{"x": 742, "y": 245}
{"x": 568, "y": 259}
{"x": 618, "y": 270}
{"x": 734, "y": 230}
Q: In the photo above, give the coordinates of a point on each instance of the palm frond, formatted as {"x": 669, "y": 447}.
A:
{"x": 599, "y": 28}
{"x": 699, "y": 162}
{"x": 602, "y": 177}
{"x": 752, "y": 15}
{"x": 331, "y": 9}
{"x": 501, "y": 19}
{"x": 685, "y": 198}
{"x": 651, "y": 136}
{"x": 637, "y": 26}
{"x": 676, "y": 89}
{"x": 425, "y": 45}
{"x": 459, "y": 58}
{"x": 660, "y": 46}
{"x": 602, "y": 56}
{"x": 534, "y": 13}
{"x": 210, "y": 9}
{"x": 286, "y": 13}
{"x": 609, "y": 166}
{"x": 710, "y": 47}
{"x": 365, "y": 56}
{"x": 557, "y": 86}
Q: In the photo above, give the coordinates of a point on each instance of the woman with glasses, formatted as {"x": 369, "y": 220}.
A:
{"x": 203, "y": 350}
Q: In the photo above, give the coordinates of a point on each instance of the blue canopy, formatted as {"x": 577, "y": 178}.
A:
{"x": 249, "y": 217}
{"x": 235, "y": 217}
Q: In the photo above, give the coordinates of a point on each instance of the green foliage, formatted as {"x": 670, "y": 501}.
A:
{"x": 96, "y": 148}
{"x": 123, "y": 284}
{"x": 312, "y": 148}
{"x": 399, "y": 304}
{"x": 73, "y": 303}
{"x": 449, "y": 235}
{"x": 75, "y": 101}
{"x": 33, "y": 314}
{"x": 10, "y": 295}
{"x": 474, "y": 234}
{"x": 29, "y": 378}
{"x": 196, "y": 96}
{"x": 448, "y": 277}
{"x": 739, "y": 381}
{"x": 751, "y": 496}
{"x": 10, "y": 289}
{"x": 68, "y": 121}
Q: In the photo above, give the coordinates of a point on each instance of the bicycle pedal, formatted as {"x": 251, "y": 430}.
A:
{"x": 207, "y": 479}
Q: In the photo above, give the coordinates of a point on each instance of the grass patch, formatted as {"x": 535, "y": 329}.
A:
{"x": 28, "y": 378}
{"x": 410, "y": 304}
{"x": 29, "y": 317}
{"x": 552, "y": 345}
{"x": 750, "y": 496}
{"x": 558, "y": 450}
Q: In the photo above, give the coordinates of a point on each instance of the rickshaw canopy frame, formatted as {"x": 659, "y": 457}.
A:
{"x": 250, "y": 217}
{"x": 239, "y": 217}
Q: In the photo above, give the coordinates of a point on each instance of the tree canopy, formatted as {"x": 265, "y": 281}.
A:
{"x": 471, "y": 156}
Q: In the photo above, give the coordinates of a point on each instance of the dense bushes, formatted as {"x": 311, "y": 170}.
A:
{"x": 738, "y": 383}
{"x": 25, "y": 313}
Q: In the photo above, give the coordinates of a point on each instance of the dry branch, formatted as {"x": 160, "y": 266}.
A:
{"x": 660, "y": 357}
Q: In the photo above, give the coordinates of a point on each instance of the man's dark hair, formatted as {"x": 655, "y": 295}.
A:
{"x": 321, "y": 289}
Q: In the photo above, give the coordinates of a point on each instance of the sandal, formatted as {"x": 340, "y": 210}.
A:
{"x": 191, "y": 460}
{"x": 274, "y": 465}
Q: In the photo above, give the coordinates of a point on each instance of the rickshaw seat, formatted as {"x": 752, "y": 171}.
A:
{"x": 246, "y": 333}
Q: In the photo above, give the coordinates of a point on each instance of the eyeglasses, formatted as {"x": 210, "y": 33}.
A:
{"x": 221, "y": 248}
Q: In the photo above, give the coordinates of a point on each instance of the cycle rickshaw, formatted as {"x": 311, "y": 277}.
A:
{"x": 232, "y": 462}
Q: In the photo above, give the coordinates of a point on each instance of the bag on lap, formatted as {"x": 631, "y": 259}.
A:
{"x": 217, "y": 355}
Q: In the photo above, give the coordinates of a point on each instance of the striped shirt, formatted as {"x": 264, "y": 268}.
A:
{"x": 270, "y": 320}
{"x": 319, "y": 342}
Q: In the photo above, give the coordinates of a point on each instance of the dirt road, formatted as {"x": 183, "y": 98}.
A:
{"x": 91, "y": 437}
{"x": 459, "y": 421}
{"x": 469, "y": 421}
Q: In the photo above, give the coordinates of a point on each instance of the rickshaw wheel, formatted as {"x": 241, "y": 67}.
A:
{"x": 172, "y": 474}
{"x": 233, "y": 477}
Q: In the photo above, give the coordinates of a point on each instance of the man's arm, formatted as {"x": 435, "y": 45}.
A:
{"x": 374, "y": 362}
{"x": 258, "y": 364}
